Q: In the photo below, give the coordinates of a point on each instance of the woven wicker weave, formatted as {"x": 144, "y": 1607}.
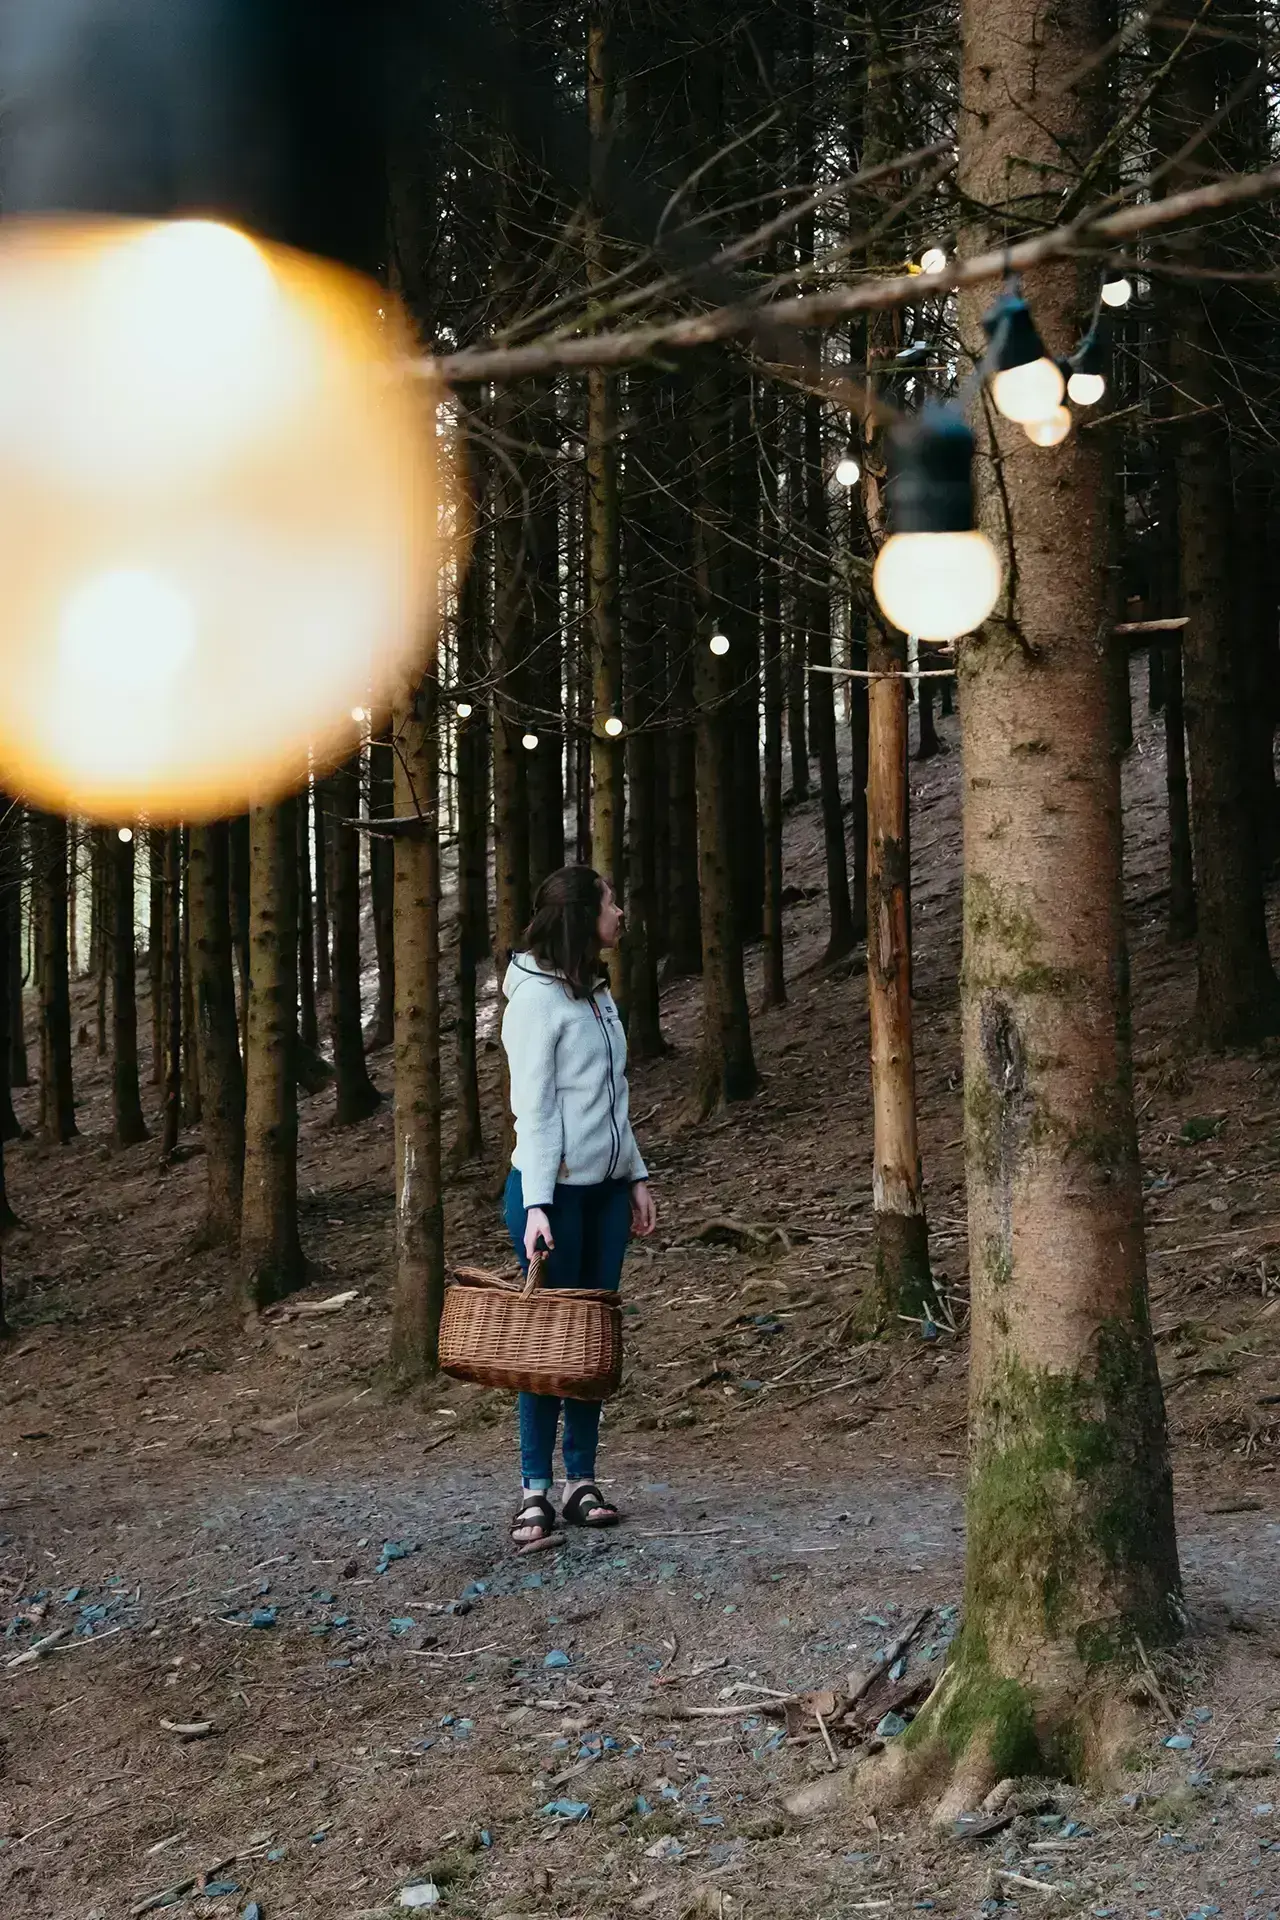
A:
{"x": 528, "y": 1338}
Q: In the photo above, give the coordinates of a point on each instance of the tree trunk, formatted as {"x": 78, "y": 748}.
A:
{"x": 308, "y": 1022}
{"x": 727, "y": 1068}
{"x": 57, "y": 1097}
{"x": 155, "y": 948}
{"x": 73, "y": 899}
{"x": 684, "y": 918}
{"x": 822, "y": 705}
{"x": 859, "y": 755}
{"x": 381, "y": 885}
{"x": 775, "y": 976}
{"x": 217, "y": 1032}
{"x": 1070, "y": 1550}
{"x": 357, "y": 1097}
{"x": 1182, "y": 889}
{"x": 172, "y": 992}
{"x": 19, "y": 1069}
{"x": 605, "y": 623}
{"x": 324, "y": 939}
{"x": 240, "y": 862}
{"x": 13, "y": 1060}
{"x": 103, "y": 914}
{"x": 418, "y": 1295}
{"x": 10, "y": 1126}
{"x": 472, "y": 751}
{"x": 192, "y": 1106}
{"x": 272, "y": 1263}
{"x": 130, "y": 1127}
{"x": 904, "y": 1284}
{"x": 1238, "y": 995}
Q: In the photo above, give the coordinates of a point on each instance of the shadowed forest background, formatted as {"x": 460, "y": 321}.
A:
{"x": 952, "y": 1017}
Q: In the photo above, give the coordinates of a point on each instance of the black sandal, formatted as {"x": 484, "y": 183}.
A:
{"x": 587, "y": 1507}
{"x": 534, "y": 1511}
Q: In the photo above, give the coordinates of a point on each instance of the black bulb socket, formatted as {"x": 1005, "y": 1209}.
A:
{"x": 1012, "y": 334}
{"x": 930, "y": 473}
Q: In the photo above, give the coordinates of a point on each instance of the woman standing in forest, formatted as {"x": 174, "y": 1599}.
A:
{"x": 578, "y": 1187}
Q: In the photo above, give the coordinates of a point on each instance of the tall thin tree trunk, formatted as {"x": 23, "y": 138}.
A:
{"x": 12, "y": 843}
{"x": 904, "y": 1283}
{"x": 103, "y": 915}
{"x": 381, "y": 885}
{"x": 472, "y": 750}
{"x": 308, "y": 1022}
{"x": 130, "y": 1127}
{"x": 192, "y": 1106}
{"x": 239, "y": 870}
{"x": 73, "y": 898}
{"x": 10, "y": 1126}
{"x": 357, "y": 1097}
{"x": 271, "y": 1258}
{"x": 172, "y": 992}
{"x": 155, "y": 948}
{"x": 1070, "y": 1542}
{"x": 49, "y": 885}
{"x": 217, "y": 1032}
{"x": 603, "y": 604}
{"x": 775, "y": 977}
{"x": 418, "y": 1294}
{"x": 324, "y": 938}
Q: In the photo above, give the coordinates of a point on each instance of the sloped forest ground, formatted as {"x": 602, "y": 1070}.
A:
{"x": 242, "y": 1531}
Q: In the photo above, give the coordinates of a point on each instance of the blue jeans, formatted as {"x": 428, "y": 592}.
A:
{"x": 591, "y": 1227}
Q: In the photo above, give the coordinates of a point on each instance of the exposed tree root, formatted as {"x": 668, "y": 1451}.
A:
{"x": 975, "y": 1735}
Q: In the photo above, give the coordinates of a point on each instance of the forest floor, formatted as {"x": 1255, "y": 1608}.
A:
{"x": 238, "y": 1527}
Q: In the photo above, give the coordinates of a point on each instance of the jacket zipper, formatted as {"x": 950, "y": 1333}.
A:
{"x": 615, "y": 1133}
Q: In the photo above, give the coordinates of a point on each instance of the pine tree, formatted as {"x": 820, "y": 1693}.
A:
{"x": 130, "y": 1127}
{"x": 271, "y": 1257}
{"x": 217, "y": 1033}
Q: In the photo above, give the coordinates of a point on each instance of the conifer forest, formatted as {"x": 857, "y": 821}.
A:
{"x": 817, "y": 465}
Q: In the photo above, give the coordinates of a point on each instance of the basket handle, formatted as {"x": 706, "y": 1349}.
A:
{"x": 537, "y": 1262}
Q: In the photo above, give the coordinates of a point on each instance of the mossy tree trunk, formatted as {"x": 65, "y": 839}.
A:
{"x": 271, "y": 1258}
{"x": 1071, "y": 1549}
{"x": 217, "y": 1033}
{"x": 130, "y": 1127}
{"x": 418, "y": 1293}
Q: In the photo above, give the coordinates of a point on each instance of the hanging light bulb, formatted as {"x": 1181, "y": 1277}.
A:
{"x": 1087, "y": 381}
{"x": 360, "y": 715}
{"x": 933, "y": 260}
{"x": 935, "y": 576}
{"x": 1117, "y": 291}
{"x": 217, "y": 479}
{"x": 530, "y": 742}
{"x": 1051, "y": 432}
{"x": 1025, "y": 383}
{"x": 125, "y": 834}
{"x": 463, "y": 709}
{"x": 719, "y": 643}
{"x": 613, "y": 726}
{"x": 848, "y": 472}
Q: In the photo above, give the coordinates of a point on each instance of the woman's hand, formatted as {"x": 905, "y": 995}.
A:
{"x": 644, "y": 1209}
{"x": 537, "y": 1227}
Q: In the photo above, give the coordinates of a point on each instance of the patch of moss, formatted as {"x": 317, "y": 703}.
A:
{"x": 980, "y": 1704}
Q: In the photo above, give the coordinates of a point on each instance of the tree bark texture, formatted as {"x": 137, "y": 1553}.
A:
{"x": 172, "y": 991}
{"x": 130, "y": 1127}
{"x": 49, "y": 859}
{"x": 271, "y": 1258}
{"x": 357, "y": 1097}
{"x": 308, "y": 1020}
{"x": 381, "y": 888}
{"x": 217, "y": 1033}
{"x": 418, "y": 1295}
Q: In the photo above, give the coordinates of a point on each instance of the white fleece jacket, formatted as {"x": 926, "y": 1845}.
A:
{"x": 568, "y": 1061}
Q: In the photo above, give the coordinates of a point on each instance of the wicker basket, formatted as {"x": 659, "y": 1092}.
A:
{"x": 528, "y": 1338}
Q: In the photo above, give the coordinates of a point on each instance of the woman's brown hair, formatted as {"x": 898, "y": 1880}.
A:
{"x": 563, "y": 935}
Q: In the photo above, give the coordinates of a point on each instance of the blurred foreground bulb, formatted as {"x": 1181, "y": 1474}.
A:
{"x": 1116, "y": 291}
{"x": 613, "y": 726}
{"x": 1051, "y": 432}
{"x": 936, "y": 576}
{"x": 933, "y": 260}
{"x": 217, "y": 510}
{"x": 848, "y": 472}
{"x": 719, "y": 643}
{"x": 1025, "y": 383}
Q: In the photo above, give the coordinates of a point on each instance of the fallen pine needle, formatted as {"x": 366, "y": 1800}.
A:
{"x": 468, "y": 1653}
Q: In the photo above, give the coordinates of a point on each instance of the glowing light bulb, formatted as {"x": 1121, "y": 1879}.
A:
{"x": 1117, "y": 292}
{"x": 719, "y": 643}
{"x": 530, "y": 742}
{"x": 1028, "y": 392}
{"x": 936, "y": 585}
{"x": 125, "y": 834}
{"x": 613, "y": 726}
{"x": 1086, "y": 389}
{"x": 463, "y": 709}
{"x": 848, "y": 472}
{"x": 219, "y": 500}
{"x": 933, "y": 260}
{"x": 1051, "y": 432}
